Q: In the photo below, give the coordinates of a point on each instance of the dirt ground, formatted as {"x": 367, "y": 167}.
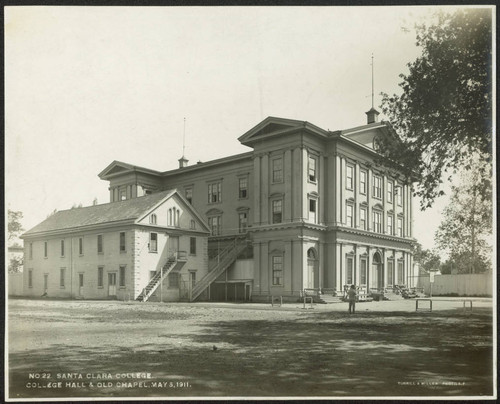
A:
{"x": 61, "y": 348}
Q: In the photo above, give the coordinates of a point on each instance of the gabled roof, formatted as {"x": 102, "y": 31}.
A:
{"x": 273, "y": 126}
{"x": 119, "y": 167}
{"x": 123, "y": 212}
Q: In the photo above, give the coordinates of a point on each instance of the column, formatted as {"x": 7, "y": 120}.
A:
{"x": 297, "y": 183}
{"x": 330, "y": 193}
{"x": 257, "y": 268}
{"x": 321, "y": 179}
{"x": 264, "y": 189}
{"x": 356, "y": 265}
{"x": 265, "y": 271}
{"x": 339, "y": 276}
{"x": 111, "y": 194}
{"x": 368, "y": 268}
{"x": 289, "y": 191}
{"x": 288, "y": 268}
{"x": 356, "y": 196}
{"x": 369, "y": 181}
{"x": 338, "y": 188}
{"x": 342, "y": 190}
{"x": 321, "y": 264}
{"x": 384, "y": 204}
{"x": 257, "y": 181}
{"x": 297, "y": 267}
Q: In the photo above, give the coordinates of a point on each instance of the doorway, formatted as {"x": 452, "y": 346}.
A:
{"x": 112, "y": 284}
{"x": 377, "y": 278}
{"x": 80, "y": 284}
{"x": 312, "y": 266}
{"x": 173, "y": 246}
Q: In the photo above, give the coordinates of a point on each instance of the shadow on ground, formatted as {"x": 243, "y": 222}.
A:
{"x": 318, "y": 354}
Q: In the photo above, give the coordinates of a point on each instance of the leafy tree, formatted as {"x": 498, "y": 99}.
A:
{"x": 444, "y": 113}
{"x": 15, "y": 265}
{"x": 428, "y": 260}
{"x": 14, "y": 226}
{"x": 466, "y": 229}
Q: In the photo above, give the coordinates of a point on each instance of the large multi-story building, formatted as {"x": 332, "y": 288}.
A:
{"x": 306, "y": 208}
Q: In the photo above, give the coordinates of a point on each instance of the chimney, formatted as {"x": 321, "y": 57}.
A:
{"x": 372, "y": 115}
{"x": 183, "y": 162}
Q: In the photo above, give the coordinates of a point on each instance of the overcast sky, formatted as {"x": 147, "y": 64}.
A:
{"x": 88, "y": 85}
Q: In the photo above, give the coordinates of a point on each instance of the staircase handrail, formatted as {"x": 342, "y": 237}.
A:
{"x": 220, "y": 263}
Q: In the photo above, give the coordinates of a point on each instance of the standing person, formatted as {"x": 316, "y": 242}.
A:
{"x": 351, "y": 295}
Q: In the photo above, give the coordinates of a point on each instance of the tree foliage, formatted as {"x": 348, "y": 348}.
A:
{"x": 14, "y": 226}
{"x": 428, "y": 260}
{"x": 444, "y": 113}
{"x": 15, "y": 265}
{"x": 466, "y": 229}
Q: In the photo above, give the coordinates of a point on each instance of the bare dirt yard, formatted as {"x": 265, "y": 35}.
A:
{"x": 110, "y": 349}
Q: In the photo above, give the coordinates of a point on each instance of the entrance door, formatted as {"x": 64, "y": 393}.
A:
{"x": 310, "y": 274}
{"x": 173, "y": 245}
{"x": 45, "y": 283}
{"x": 112, "y": 284}
{"x": 80, "y": 284}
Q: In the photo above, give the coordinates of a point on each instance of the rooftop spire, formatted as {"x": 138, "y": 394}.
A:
{"x": 183, "y": 160}
{"x": 372, "y": 114}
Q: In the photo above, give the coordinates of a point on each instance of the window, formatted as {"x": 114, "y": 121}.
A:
{"x": 215, "y": 224}
{"x": 377, "y": 186}
{"x": 277, "y": 270}
{"x": 192, "y": 275}
{"x": 377, "y": 221}
{"x": 390, "y": 224}
{"x": 311, "y": 168}
{"x": 390, "y": 272}
{"x": 99, "y": 244}
{"x": 349, "y": 177}
{"x": 278, "y": 170}
{"x": 362, "y": 182}
{"x": 173, "y": 280}
{"x": 189, "y": 195}
{"x": 30, "y": 278}
{"x": 62, "y": 278}
{"x": 100, "y": 277}
{"x": 62, "y": 248}
{"x": 152, "y": 219}
{"x": 243, "y": 192}
{"x": 390, "y": 192}
{"x": 122, "y": 242}
{"x": 214, "y": 192}
{"x": 45, "y": 249}
{"x": 349, "y": 270}
{"x": 401, "y": 272}
{"x": 147, "y": 192}
{"x": 173, "y": 217}
{"x": 80, "y": 246}
{"x": 400, "y": 227}
{"x": 312, "y": 210}
{"x": 362, "y": 218}
{"x": 399, "y": 192}
{"x": 348, "y": 213}
{"x": 30, "y": 251}
{"x": 123, "y": 194}
{"x": 122, "y": 276}
{"x": 153, "y": 242}
{"x": 277, "y": 211}
{"x": 192, "y": 225}
{"x": 362, "y": 271}
{"x": 192, "y": 245}
{"x": 242, "y": 221}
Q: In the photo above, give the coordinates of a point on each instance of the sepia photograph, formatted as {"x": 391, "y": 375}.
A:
{"x": 250, "y": 202}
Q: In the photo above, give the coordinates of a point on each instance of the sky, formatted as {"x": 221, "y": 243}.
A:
{"x": 85, "y": 86}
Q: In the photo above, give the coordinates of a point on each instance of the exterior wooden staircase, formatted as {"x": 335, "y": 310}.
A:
{"x": 222, "y": 262}
{"x": 174, "y": 264}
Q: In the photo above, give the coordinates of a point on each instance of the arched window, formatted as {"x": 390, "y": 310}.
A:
{"x": 311, "y": 254}
{"x": 376, "y": 258}
{"x": 152, "y": 219}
